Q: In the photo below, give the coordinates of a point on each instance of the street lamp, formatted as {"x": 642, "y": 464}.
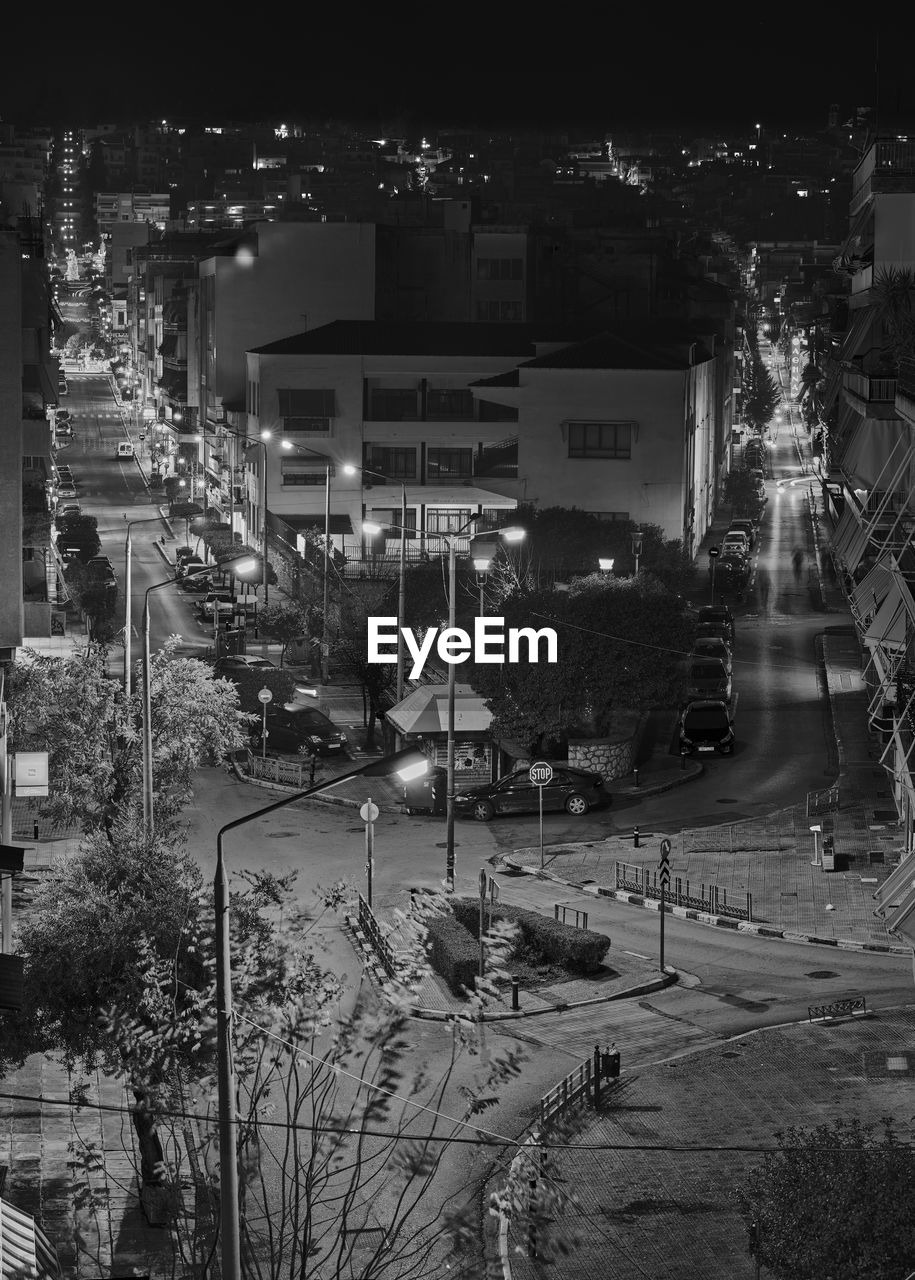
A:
{"x": 511, "y": 535}
{"x": 239, "y": 568}
{"x": 128, "y": 620}
{"x": 401, "y": 575}
{"x": 605, "y": 564}
{"x": 408, "y": 764}
{"x": 636, "y": 536}
{"x": 328, "y": 472}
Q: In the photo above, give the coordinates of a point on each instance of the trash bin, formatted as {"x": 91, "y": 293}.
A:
{"x": 427, "y": 794}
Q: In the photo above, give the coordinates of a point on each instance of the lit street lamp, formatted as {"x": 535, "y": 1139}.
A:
{"x": 408, "y": 764}
{"x": 238, "y": 568}
{"x": 605, "y": 564}
{"x": 510, "y": 535}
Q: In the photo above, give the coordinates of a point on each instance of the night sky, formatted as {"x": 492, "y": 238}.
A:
{"x": 452, "y": 65}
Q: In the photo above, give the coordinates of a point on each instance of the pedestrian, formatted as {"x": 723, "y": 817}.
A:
{"x": 797, "y": 559}
{"x": 764, "y": 584}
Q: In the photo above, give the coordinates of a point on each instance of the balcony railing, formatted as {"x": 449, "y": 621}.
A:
{"x": 905, "y": 381}
{"x": 873, "y": 389}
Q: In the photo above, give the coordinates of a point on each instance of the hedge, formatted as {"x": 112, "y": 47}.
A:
{"x": 453, "y": 953}
{"x": 579, "y": 950}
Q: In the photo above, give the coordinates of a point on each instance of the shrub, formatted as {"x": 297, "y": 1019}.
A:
{"x": 249, "y": 683}
{"x": 453, "y": 953}
{"x": 579, "y": 950}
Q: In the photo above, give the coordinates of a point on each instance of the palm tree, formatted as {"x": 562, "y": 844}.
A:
{"x": 893, "y": 292}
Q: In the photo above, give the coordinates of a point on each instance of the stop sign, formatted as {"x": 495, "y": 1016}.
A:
{"x": 541, "y": 773}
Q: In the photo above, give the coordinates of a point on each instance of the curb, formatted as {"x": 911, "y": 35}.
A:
{"x": 704, "y": 917}
{"x": 278, "y": 788}
{"x": 381, "y": 979}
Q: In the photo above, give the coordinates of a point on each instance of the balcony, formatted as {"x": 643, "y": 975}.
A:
{"x": 889, "y": 165}
{"x": 905, "y": 390}
{"x": 873, "y": 390}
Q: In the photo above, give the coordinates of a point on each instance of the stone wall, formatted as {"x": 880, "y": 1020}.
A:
{"x": 610, "y": 757}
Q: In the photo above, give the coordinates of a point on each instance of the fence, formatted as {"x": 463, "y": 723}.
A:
{"x": 825, "y": 801}
{"x": 580, "y": 918}
{"x": 576, "y": 1085}
{"x": 370, "y": 927}
{"x": 710, "y": 898}
{"x": 288, "y": 773}
{"x": 851, "y": 1007}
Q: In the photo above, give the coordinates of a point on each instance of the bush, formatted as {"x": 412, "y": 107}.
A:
{"x": 453, "y": 953}
{"x": 578, "y": 950}
{"x": 249, "y": 683}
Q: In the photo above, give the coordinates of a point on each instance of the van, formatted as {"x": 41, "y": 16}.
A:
{"x": 124, "y": 449}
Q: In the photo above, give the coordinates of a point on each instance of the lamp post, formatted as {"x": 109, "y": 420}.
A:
{"x": 128, "y": 618}
{"x": 510, "y": 535}
{"x": 237, "y": 567}
{"x": 605, "y": 563}
{"x": 410, "y": 763}
{"x": 402, "y": 570}
{"x": 325, "y": 579}
{"x": 636, "y": 547}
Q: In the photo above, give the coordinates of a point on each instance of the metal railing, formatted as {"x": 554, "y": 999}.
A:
{"x": 287, "y": 773}
{"x": 823, "y": 801}
{"x": 880, "y": 390}
{"x": 852, "y": 1007}
{"x": 369, "y": 925}
{"x": 580, "y": 918}
{"x": 710, "y": 899}
{"x": 575, "y": 1086}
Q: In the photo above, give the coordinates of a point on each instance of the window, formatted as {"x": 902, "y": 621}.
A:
{"x": 449, "y": 464}
{"x": 500, "y": 312}
{"x": 447, "y": 519}
{"x": 391, "y": 516}
{"x": 449, "y": 403}
{"x": 398, "y": 464}
{"x": 298, "y": 477}
{"x": 500, "y": 268}
{"x": 600, "y": 439}
{"x": 306, "y": 410}
{"x": 394, "y": 404}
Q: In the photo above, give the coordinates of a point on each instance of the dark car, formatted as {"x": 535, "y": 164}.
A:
{"x": 718, "y": 615}
{"x": 100, "y": 569}
{"x": 241, "y": 662}
{"x": 707, "y": 726}
{"x": 290, "y": 727}
{"x": 744, "y": 526}
{"x": 707, "y": 678}
{"x": 713, "y": 647}
{"x": 571, "y": 790}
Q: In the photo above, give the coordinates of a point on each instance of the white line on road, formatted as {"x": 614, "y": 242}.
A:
{"x": 638, "y": 955}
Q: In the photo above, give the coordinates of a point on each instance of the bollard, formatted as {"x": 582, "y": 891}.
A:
{"x": 635, "y": 837}
{"x": 635, "y": 774}
{"x": 516, "y": 982}
{"x": 35, "y": 830}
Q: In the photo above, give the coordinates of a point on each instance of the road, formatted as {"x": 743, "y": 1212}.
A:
{"x": 113, "y": 490}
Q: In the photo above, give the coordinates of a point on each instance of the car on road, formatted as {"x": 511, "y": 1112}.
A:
{"x": 189, "y": 564}
{"x": 571, "y": 790}
{"x": 62, "y": 428}
{"x": 62, "y": 415}
{"x": 100, "y": 569}
{"x": 713, "y": 647}
{"x": 706, "y": 726}
{"x": 707, "y": 678}
{"x": 64, "y": 474}
{"x": 242, "y": 662}
{"x": 124, "y": 449}
{"x": 291, "y": 727}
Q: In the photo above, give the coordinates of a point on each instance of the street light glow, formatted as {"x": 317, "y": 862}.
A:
{"x": 371, "y": 528}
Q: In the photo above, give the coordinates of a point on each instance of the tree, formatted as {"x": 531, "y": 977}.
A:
{"x": 761, "y": 395}
{"x": 894, "y": 292}
{"x": 286, "y": 622}
{"x": 833, "y": 1201}
{"x": 621, "y": 647}
{"x": 71, "y": 709}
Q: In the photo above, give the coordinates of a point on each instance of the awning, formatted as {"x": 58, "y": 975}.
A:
{"x": 873, "y": 589}
{"x": 876, "y": 450}
{"x": 845, "y": 530}
{"x": 25, "y": 1251}
{"x": 338, "y": 524}
{"x": 463, "y": 496}
{"x": 893, "y": 620}
{"x": 425, "y": 710}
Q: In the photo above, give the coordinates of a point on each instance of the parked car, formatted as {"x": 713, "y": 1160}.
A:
{"x": 221, "y": 602}
{"x": 706, "y": 726}
{"x": 735, "y": 540}
{"x": 571, "y": 790}
{"x": 242, "y": 662}
{"x": 68, "y": 509}
{"x": 754, "y": 454}
{"x": 744, "y": 526}
{"x": 713, "y": 647}
{"x": 719, "y": 614}
{"x": 63, "y": 429}
{"x": 290, "y": 727}
{"x": 707, "y": 678}
{"x": 101, "y": 569}
{"x": 732, "y": 572}
{"x": 62, "y": 415}
{"x": 193, "y": 585}
{"x": 67, "y": 490}
{"x": 189, "y": 564}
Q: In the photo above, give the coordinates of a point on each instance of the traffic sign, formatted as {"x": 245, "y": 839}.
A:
{"x": 265, "y": 696}
{"x": 541, "y": 773}
{"x": 665, "y": 850}
{"x": 369, "y": 811}
{"x": 714, "y": 552}
{"x": 664, "y": 875}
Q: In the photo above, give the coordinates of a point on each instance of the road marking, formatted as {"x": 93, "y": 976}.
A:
{"x": 638, "y": 955}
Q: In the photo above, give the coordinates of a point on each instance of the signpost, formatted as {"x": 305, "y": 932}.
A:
{"x": 264, "y": 698}
{"x": 664, "y": 881}
{"x": 713, "y": 554}
{"x": 484, "y": 884}
{"x": 368, "y": 813}
{"x": 541, "y": 774}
